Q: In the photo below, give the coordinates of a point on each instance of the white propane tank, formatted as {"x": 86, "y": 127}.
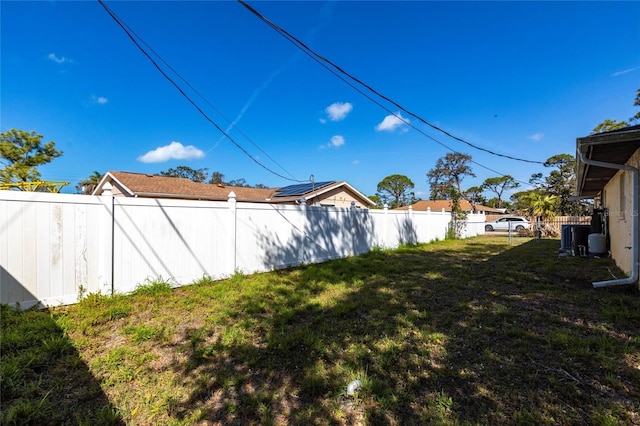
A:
{"x": 597, "y": 244}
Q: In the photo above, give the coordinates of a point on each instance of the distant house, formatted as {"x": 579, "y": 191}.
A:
{"x": 332, "y": 193}
{"x": 607, "y": 171}
{"x": 438, "y": 205}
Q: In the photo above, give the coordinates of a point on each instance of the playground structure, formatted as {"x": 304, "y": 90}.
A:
{"x": 37, "y": 186}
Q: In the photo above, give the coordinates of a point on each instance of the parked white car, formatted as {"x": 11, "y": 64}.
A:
{"x": 514, "y": 223}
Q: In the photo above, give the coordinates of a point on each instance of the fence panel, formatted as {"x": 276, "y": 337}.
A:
{"x": 475, "y": 225}
{"x": 268, "y": 237}
{"x": 55, "y": 246}
{"x": 49, "y": 247}
{"x": 182, "y": 240}
{"x": 431, "y": 225}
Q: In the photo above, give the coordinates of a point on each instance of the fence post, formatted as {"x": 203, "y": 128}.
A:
{"x": 413, "y": 227}
{"x": 106, "y": 237}
{"x": 233, "y": 210}
{"x": 305, "y": 219}
{"x": 354, "y": 230}
{"x": 385, "y": 228}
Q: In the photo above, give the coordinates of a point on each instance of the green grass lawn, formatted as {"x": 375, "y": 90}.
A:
{"x": 474, "y": 332}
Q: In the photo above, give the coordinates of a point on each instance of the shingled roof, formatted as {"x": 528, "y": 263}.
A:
{"x": 154, "y": 186}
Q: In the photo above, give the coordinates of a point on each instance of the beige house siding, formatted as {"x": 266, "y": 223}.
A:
{"x": 617, "y": 199}
{"x": 338, "y": 198}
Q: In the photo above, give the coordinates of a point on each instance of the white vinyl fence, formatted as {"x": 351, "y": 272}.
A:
{"x": 54, "y": 247}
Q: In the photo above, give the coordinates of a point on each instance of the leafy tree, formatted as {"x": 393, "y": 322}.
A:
{"x": 22, "y": 152}
{"x": 89, "y": 184}
{"x": 609, "y": 125}
{"x": 561, "y": 183}
{"x": 544, "y": 206}
{"x": 636, "y": 103}
{"x": 217, "y": 178}
{"x": 521, "y": 201}
{"x": 238, "y": 182}
{"x": 448, "y": 173}
{"x": 394, "y": 190}
{"x": 498, "y": 185}
{"x": 498, "y": 204}
{"x": 199, "y": 175}
{"x": 536, "y": 203}
{"x": 474, "y": 195}
{"x": 376, "y": 199}
{"x": 458, "y": 216}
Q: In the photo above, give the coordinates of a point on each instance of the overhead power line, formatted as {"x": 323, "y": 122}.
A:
{"x": 381, "y": 105}
{"x": 331, "y": 66}
{"x": 134, "y": 38}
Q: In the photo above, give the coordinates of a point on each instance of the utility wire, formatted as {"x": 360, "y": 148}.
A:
{"x": 205, "y": 100}
{"x": 322, "y": 60}
{"x": 315, "y": 57}
{"x": 129, "y": 34}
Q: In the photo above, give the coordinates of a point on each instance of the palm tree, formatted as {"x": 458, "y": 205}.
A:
{"x": 544, "y": 206}
{"x": 88, "y": 185}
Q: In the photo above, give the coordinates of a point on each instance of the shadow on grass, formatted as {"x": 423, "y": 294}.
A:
{"x": 476, "y": 332}
{"x": 44, "y": 381}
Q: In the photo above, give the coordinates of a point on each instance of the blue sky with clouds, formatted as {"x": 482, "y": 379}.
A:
{"x": 522, "y": 79}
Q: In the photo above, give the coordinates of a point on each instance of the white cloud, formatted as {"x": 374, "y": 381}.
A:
{"x": 59, "y": 60}
{"x": 615, "y": 74}
{"x": 337, "y": 140}
{"x": 391, "y": 122}
{"x": 100, "y": 100}
{"x": 536, "y": 137}
{"x": 173, "y": 151}
{"x": 338, "y": 111}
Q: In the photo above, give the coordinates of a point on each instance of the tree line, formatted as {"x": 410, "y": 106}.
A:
{"x": 551, "y": 194}
{"x": 446, "y": 178}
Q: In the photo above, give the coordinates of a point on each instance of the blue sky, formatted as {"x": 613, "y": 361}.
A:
{"x": 523, "y": 79}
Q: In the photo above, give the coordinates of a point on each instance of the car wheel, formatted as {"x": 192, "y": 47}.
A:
{"x": 519, "y": 228}
{"x": 488, "y": 228}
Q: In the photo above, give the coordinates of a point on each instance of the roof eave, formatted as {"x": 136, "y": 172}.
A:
{"x": 585, "y": 146}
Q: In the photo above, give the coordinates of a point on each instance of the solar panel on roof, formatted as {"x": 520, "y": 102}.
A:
{"x": 300, "y": 189}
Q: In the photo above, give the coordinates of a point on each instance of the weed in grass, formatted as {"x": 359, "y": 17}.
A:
{"x": 443, "y": 403}
{"x": 56, "y": 346}
{"x": 154, "y": 287}
{"x": 195, "y": 336}
{"x": 117, "y": 365}
{"x": 603, "y": 417}
{"x": 621, "y": 314}
{"x": 237, "y": 278}
{"x": 93, "y": 299}
{"x": 316, "y": 380}
{"x": 105, "y": 415}
{"x": 232, "y": 336}
{"x": 143, "y": 333}
{"x": 28, "y": 411}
